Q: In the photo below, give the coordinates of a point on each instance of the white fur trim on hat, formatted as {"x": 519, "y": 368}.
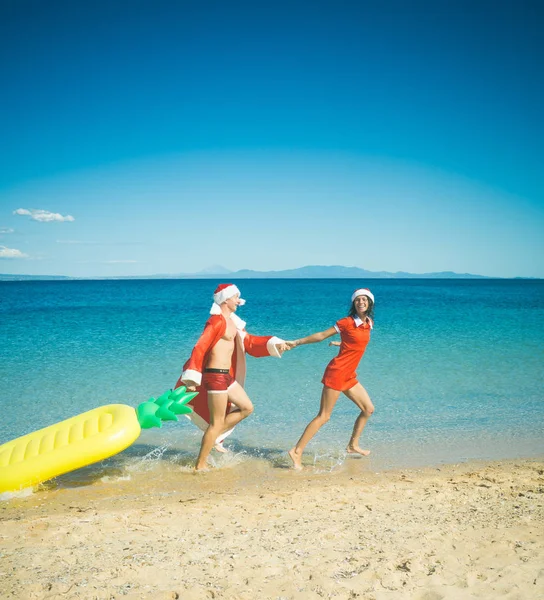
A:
{"x": 362, "y": 292}
{"x": 222, "y": 296}
{"x": 226, "y": 293}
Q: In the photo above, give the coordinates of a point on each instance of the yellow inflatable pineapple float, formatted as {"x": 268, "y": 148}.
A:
{"x": 85, "y": 439}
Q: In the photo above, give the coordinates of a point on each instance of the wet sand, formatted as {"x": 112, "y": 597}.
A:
{"x": 472, "y": 530}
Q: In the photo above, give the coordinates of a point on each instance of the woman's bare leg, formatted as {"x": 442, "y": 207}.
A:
{"x": 360, "y": 397}
{"x": 328, "y": 400}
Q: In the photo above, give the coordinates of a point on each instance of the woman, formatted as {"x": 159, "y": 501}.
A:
{"x": 340, "y": 373}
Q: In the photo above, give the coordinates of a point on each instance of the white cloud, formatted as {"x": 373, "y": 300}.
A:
{"x": 77, "y": 242}
{"x": 103, "y": 243}
{"x": 6, "y": 230}
{"x": 43, "y": 216}
{"x": 11, "y": 253}
{"x": 119, "y": 262}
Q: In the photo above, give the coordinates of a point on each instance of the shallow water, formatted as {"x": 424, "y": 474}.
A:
{"x": 454, "y": 367}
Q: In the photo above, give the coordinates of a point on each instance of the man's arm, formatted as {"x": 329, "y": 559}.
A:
{"x": 192, "y": 369}
{"x": 260, "y": 345}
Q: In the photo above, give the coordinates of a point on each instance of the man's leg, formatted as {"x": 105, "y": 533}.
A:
{"x": 358, "y": 395}
{"x": 244, "y": 407}
{"x": 219, "y": 423}
{"x": 217, "y": 404}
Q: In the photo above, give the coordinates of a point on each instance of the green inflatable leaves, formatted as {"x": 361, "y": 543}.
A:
{"x": 165, "y": 408}
{"x": 146, "y": 415}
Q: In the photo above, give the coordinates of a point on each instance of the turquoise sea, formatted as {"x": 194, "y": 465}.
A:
{"x": 455, "y": 367}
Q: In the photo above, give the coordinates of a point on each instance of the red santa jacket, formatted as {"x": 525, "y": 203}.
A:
{"x": 214, "y": 330}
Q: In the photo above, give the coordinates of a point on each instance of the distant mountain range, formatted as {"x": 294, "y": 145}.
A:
{"x": 308, "y": 272}
{"x": 333, "y": 272}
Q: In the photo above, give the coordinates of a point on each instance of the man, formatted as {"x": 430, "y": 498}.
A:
{"x": 217, "y": 368}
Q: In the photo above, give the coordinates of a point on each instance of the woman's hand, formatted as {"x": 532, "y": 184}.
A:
{"x": 292, "y": 344}
{"x": 334, "y": 343}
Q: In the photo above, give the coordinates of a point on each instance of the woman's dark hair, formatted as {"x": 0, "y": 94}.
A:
{"x": 369, "y": 312}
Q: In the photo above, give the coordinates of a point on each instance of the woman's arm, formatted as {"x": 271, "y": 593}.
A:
{"x": 314, "y": 338}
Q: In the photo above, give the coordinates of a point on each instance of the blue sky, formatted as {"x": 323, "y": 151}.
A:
{"x": 164, "y": 137}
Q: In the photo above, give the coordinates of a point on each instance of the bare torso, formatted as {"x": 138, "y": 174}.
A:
{"x": 220, "y": 355}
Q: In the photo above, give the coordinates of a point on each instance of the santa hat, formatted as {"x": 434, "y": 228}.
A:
{"x": 223, "y": 292}
{"x": 362, "y": 292}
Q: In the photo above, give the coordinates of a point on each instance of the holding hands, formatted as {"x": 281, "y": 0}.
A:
{"x": 293, "y": 344}
{"x": 283, "y": 347}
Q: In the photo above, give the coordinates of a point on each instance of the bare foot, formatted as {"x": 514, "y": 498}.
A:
{"x": 203, "y": 468}
{"x": 296, "y": 458}
{"x": 357, "y": 450}
{"x": 220, "y": 448}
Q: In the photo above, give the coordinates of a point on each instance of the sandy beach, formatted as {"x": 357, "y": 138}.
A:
{"x": 472, "y": 530}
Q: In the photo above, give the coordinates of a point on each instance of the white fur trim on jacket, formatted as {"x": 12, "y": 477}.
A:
{"x": 240, "y": 324}
{"x": 271, "y": 346}
{"x": 216, "y": 310}
{"x": 191, "y": 375}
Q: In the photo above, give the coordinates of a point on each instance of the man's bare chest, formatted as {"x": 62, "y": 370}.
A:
{"x": 230, "y": 332}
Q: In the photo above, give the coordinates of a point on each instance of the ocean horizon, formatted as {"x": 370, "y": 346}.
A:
{"x": 305, "y": 272}
{"x": 454, "y": 367}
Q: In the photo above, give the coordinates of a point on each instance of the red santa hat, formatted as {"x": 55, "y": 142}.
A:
{"x": 223, "y": 292}
{"x": 362, "y": 292}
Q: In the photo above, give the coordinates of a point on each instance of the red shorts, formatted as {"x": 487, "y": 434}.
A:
{"x": 216, "y": 381}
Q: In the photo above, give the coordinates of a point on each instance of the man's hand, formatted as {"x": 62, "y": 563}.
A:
{"x": 291, "y": 345}
{"x": 281, "y": 348}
